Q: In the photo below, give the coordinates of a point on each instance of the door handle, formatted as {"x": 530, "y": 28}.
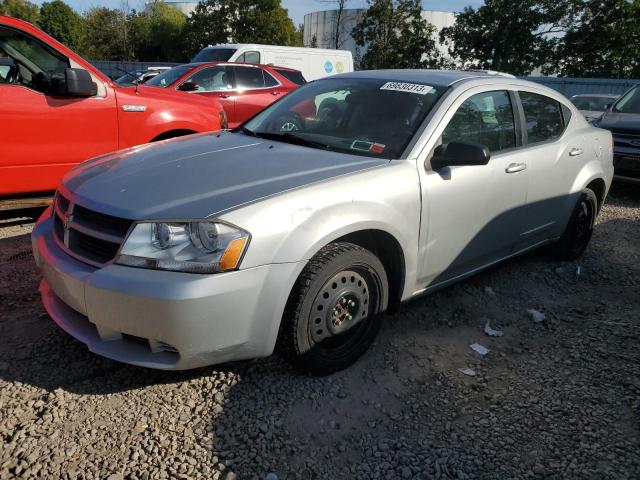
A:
{"x": 574, "y": 152}
{"x": 276, "y": 93}
{"x": 515, "y": 167}
{"x": 223, "y": 95}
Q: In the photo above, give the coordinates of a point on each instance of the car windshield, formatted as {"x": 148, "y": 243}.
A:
{"x": 630, "y": 102}
{"x": 167, "y": 77}
{"x": 369, "y": 117}
{"x": 596, "y": 104}
{"x": 213, "y": 55}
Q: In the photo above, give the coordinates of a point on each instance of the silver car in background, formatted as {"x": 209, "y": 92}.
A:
{"x": 593, "y": 105}
{"x": 298, "y": 229}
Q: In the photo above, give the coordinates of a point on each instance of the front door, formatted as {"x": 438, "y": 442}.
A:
{"x": 44, "y": 135}
{"x": 470, "y": 214}
{"x": 215, "y": 82}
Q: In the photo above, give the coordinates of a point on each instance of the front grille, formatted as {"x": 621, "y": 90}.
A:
{"x": 90, "y": 236}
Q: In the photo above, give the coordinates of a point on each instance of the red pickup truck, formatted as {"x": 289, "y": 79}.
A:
{"x": 56, "y": 110}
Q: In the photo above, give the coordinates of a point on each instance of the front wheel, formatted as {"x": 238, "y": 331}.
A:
{"x": 333, "y": 313}
{"x": 576, "y": 237}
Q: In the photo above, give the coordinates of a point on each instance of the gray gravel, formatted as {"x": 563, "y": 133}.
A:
{"x": 555, "y": 399}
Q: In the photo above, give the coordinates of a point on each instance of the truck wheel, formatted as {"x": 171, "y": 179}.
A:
{"x": 576, "y": 237}
{"x": 334, "y": 311}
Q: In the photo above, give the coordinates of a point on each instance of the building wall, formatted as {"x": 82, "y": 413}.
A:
{"x": 322, "y": 25}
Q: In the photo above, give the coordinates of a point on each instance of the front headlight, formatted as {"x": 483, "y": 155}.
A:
{"x": 184, "y": 246}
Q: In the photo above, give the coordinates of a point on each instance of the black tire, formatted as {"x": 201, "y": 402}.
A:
{"x": 334, "y": 311}
{"x": 576, "y": 237}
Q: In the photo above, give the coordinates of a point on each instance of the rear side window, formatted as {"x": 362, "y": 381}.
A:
{"x": 543, "y": 116}
{"x": 295, "y": 77}
{"x": 269, "y": 81}
{"x": 249, "y": 77}
{"x": 485, "y": 118}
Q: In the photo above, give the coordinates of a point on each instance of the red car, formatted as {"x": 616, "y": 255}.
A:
{"x": 57, "y": 111}
{"x": 243, "y": 89}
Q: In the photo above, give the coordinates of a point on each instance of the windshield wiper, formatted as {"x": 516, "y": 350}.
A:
{"x": 290, "y": 137}
{"x": 246, "y": 131}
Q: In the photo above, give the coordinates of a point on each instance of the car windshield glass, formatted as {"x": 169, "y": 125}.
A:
{"x": 630, "y": 102}
{"x": 213, "y": 55}
{"x": 369, "y": 117}
{"x": 596, "y": 104}
{"x": 127, "y": 79}
{"x": 167, "y": 77}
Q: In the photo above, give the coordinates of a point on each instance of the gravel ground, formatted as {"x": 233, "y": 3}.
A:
{"x": 554, "y": 399}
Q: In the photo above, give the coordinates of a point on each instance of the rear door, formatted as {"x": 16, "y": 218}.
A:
{"x": 553, "y": 158}
{"x": 255, "y": 89}
{"x": 44, "y": 135}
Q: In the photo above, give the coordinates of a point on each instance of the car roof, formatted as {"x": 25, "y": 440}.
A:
{"x": 235, "y": 64}
{"x": 439, "y": 78}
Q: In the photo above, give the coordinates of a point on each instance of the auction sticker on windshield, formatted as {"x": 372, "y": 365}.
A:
{"x": 408, "y": 87}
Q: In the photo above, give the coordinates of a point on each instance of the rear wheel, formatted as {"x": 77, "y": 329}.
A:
{"x": 576, "y": 237}
{"x": 333, "y": 313}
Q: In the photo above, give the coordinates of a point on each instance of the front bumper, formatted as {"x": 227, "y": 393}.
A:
{"x": 626, "y": 162}
{"x": 165, "y": 320}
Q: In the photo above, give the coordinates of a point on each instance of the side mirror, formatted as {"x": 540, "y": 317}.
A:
{"x": 79, "y": 83}
{"x": 189, "y": 87}
{"x": 459, "y": 153}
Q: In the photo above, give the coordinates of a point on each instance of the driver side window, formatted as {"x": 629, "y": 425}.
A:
{"x": 211, "y": 79}
{"x": 485, "y": 118}
{"x": 34, "y": 65}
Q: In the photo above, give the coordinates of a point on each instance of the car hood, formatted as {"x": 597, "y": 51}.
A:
{"x": 621, "y": 122}
{"x": 201, "y": 175}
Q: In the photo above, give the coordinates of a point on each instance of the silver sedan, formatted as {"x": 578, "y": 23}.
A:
{"x": 300, "y": 228}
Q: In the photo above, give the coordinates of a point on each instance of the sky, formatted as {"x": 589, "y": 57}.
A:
{"x": 297, "y": 8}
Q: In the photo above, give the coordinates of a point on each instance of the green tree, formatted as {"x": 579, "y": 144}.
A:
{"x": 158, "y": 33}
{"x": 508, "y": 36}
{"x": 242, "y": 21}
{"x": 106, "y": 35}
{"x": 21, "y": 9}
{"x": 603, "y": 42}
{"x": 396, "y": 36}
{"x": 62, "y": 22}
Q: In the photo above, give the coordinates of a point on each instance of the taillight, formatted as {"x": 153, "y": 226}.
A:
{"x": 222, "y": 117}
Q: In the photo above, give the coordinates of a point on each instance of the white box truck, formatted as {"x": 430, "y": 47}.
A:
{"x": 312, "y": 62}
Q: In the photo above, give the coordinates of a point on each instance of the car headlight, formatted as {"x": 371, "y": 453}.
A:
{"x": 184, "y": 246}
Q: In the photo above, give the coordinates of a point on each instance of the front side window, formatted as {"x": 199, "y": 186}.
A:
{"x": 34, "y": 65}
{"x": 210, "y": 79}
{"x": 543, "y": 116}
{"x": 248, "y": 78}
{"x": 360, "y": 116}
{"x": 629, "y": 103}
{"x": 249, "y": 57}
{"x": 168, "y": 77}
{"x": 485, "y": 118}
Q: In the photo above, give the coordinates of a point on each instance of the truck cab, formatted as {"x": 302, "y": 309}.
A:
{"x": 58, "y": 110}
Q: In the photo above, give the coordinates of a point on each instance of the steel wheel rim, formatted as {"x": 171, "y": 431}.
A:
{"x": 330, "y": 329}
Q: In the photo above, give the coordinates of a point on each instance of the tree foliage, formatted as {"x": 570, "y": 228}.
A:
{"x": 21, "y": 9}
{"x": 241, "y": 21}
{"x": 603, "y": 41}
{"x": 396, "y": 36}
{"x": 158, "y": 33}
{"x": 106, "y": 35}
{"x": 508, "y": 36}
{"x": 62, "y": 22}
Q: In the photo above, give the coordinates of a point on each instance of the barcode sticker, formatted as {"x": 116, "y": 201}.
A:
{"x": 408, "y": 87}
